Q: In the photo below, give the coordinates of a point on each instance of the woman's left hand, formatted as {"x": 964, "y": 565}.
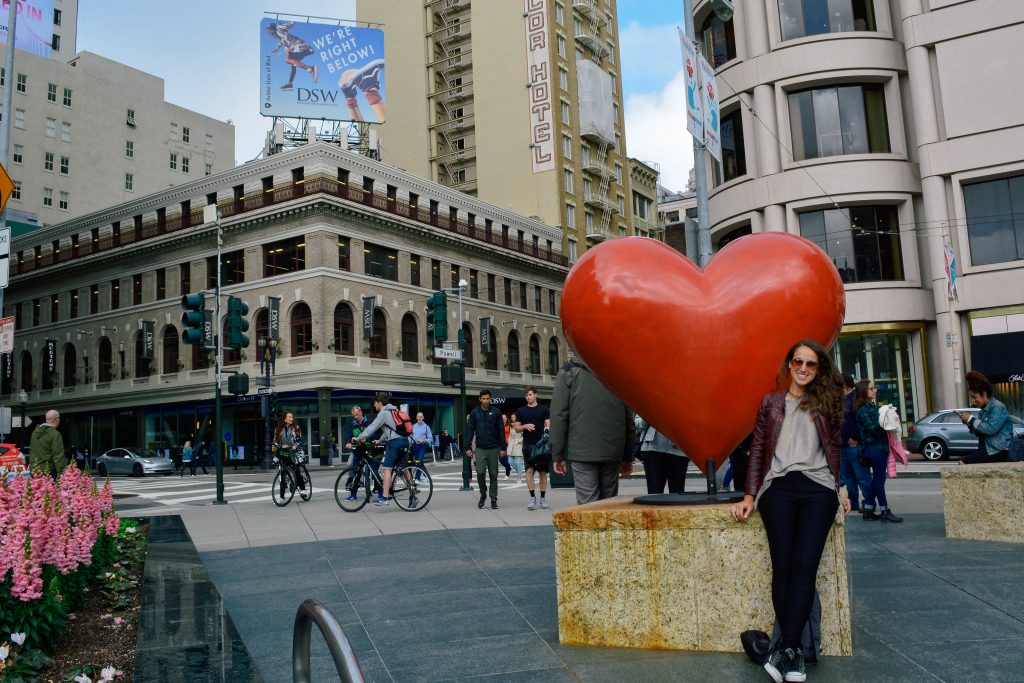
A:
{"x": 845, "y": 502}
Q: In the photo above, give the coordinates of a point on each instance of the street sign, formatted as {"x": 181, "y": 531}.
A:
{"x": 265, "y": 391}
{"x": 448, "y": 345}
{"x": 6, "y": 186}
{"x": 5, "y": 254}
{"x": 6, "y": 334}
{"x": 452, "y": 354}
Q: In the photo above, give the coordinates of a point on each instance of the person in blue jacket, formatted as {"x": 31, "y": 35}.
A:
{"x": 991, "y": 425}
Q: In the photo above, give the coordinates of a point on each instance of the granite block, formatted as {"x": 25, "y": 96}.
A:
{"x": 678, "y": 577}
{"x": 983, "y": 502}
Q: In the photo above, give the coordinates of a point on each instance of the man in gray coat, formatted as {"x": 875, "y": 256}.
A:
{"x": 593, "y": 428}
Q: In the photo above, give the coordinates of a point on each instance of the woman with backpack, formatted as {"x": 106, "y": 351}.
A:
{"x": 874, "y": 450}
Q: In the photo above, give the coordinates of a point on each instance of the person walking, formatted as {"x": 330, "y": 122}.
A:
{"x": 188, "y": 457}
{"x": 874, "y": 447}
{"x": 421, "y": 439}
{"x": 200, "y": 457}
{"x": 854, "y": 475}
{"x": 991, "y": 425}
{"x": 664, "y": 462}
{"x": 594, "y": 429}
{"x": 534, "y": 421}
{"x": 515, "y": 453}
{"x": 484, "y": 425}
{"x": 504, "y": 460}
{"x": 793, "y": 480}
{"x": 46, "y": 447}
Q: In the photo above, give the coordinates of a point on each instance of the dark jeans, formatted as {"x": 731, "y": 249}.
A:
{"x": 661, "y": 468}
{"x": 418, "y": 451}
{"x": 595, "y": 480}
{"x": 503, "y": 461}
{"x": 797, "y": 514}
{"x": 854, "y": 475}
{"x": 879, "y": 471}
{"x": 982, "y": 455}
{"x": 467, "y": 470}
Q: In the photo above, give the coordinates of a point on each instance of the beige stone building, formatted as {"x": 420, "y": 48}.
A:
{"x": 321, "y": 230}
{"x": 887, "y": 133}
{"x": 518, "y": 103}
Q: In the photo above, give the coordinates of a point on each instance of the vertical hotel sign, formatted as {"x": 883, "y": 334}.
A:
{"x": 538, "y": 64}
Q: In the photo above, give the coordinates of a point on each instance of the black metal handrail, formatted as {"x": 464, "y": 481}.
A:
{"x": 312, "y": 612}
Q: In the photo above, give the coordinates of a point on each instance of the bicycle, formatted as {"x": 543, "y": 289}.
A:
{"x": 283, "y": 489}
{"x": 411, "y": 485}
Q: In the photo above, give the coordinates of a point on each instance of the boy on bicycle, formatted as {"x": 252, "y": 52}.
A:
{"x": 395, "y": 442}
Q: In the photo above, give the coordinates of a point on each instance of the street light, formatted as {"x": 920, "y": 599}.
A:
{"x": 23, "y": 402}
{"x": 268, "y": 349}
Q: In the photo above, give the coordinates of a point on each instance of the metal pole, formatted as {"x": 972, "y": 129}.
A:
{"x": 218, "y": 435}
{"x": 464, "y": 418}
{"x": 345, "y": 661}
{"x": 5, "y": 126}
{"x": 268, "y": 355}
{"x": 21, "y": 427}
{"x": 700, "y": 171}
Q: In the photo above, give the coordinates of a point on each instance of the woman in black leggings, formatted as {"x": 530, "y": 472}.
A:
{"x": 793, "y": 479}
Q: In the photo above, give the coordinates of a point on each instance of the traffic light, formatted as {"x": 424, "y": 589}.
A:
{"x": 237, "y": 324}
{"x": 193, "y": 320}
{"x": 451, "y": 375}
{"x": 437, "y": 317}
{"x": 238, "y": 384}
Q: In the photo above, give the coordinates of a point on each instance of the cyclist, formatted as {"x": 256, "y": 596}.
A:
{"x": 359, "y": 449}
{"x": 394, "y": 442}
{"x": 288, "y": 442}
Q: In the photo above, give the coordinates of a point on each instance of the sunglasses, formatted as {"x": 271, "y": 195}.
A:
{"x": 800, "y": 362}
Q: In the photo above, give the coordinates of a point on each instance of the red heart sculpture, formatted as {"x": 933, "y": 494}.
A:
{"x": 694, "y": 351}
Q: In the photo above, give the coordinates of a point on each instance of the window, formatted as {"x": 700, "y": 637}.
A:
{"x": 56, "y": 17}
{"x": 513, "y": 352}
{"x": 209, "y": 169}
{"x": 534, "y": 360}
{"x": 115, "y": 294}
{"x": 577, "y": 27}
{"x": 838, "y": 120}
{"x": 560, "y": 44}
{"x": 47, "y": 161}
{"x": 62, "y": 201}
{"x": 65, "y": 131}
{"x": 584, "y": 154}
{"x": 566, "y": 118}
{"x": 129, "y": 181}
{"x": 410, "y": 339}
{"x": 380, "y": 262}
{"x": 94, "y": 299}
{"x": 18, "y": 154}
{"x": 414, "y": 270}
{"x": 570, "y": 216}
{"x": 734, "y": 156}
{"x": 51, "y": 92}
{"x": 563, "y": 79}
{"x": 232, "y": 269}
{"x": 537, "y": 298}
{"x": 74, "y": 304}
{"x": 618, "y": 173}
{"x": 454, "y": 274}
{"x": 379, "y": 337}
{"x": 862, "y": 241}
{"x": 54, "y": 308}
{"x": 174, "y": 161}
{"x": 65, "y": 165}
{"x": 302, "y": 330}
{"x": 587, "y": 189}
{"x": 554, "y": 362}
{"x": 19, "y": 118}
{"x": 186, "y": 134}
{"x": 559, "y": 14}
{"x": 344, "y": 330}
{"x": 491, "y": 286}
{"x": 718, "y": 42}
{"x": 22, "y": 83}
{"x": 130, "y": 116}
{"x": 643, "y": 208}
{"x": 474, "y": 284}
{"x": 620, "y": 204}
{"x": 184, "y": 278}
{"x": 47, "y": 196}
{"x": 51, "y": 128}
{"x": 343, "y": 254}
{"x": 815, "y": 17}
{"x": 170, "y": 350}
{"x": 67, "y": 97}
{"x": 588, "y": 222}
{"x": 161, "y": 283}
{"x": 285, "y": 256}
{"x": 551, "y": 301}
{"x": 55, "y": 42}
{"x": 129, "y": 149}
{"x": 567, "y": 146}
{"x": 522, "y": 295}
{"x": 508, "y": 292}
{"x": 435, "y": 274}
{"x": 995, "y": 220}
{"x": 568, "y": 180}
{"x": 16, "y": 192}
{"x": 184, "y": 164}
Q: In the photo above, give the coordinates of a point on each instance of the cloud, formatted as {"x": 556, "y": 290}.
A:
{"x": 656, "y": 131}
{"x": 650, "y": 55}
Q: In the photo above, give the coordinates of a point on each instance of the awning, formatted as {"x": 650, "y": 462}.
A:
{"x": 1000, "y": 357}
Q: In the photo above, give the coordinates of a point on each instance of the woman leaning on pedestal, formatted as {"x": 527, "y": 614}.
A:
{"x": 793, "y": 480}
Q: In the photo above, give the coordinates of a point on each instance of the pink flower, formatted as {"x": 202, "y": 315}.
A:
{"x": 118, "y": 620}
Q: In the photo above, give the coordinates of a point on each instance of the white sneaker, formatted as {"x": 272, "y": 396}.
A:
{"x": 543, "y": 504}
{"x": 533, "y": 504}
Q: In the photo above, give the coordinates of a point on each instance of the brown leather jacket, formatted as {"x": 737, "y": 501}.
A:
{"x": 766, "y": 437}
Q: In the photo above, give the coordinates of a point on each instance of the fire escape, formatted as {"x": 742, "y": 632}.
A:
{"x": 450, "y": 78}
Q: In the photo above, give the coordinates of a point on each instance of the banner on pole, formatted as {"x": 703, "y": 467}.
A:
{"x": 7, "y": 334}
{"x": 694, "y": 100}
{"x": 368, "y": 303}
{"x": 712, "y": 119}
{"x": 274, "y": 317}
{"x": 485, "y": 335}
{"x": 950, "y": 258}
{"x": 148, "y": 343}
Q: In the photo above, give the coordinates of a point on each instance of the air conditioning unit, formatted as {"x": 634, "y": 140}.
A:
{"x": 130, "y": 121}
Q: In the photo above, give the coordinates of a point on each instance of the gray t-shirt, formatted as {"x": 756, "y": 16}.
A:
{"x": 799, "y": 450}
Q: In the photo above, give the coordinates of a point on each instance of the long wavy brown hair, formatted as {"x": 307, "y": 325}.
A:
{"x": 824, "y": 394}
{"x": 281, "y": 425}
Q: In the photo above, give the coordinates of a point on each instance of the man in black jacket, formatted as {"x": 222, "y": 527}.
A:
{"x": 486, "y": 426}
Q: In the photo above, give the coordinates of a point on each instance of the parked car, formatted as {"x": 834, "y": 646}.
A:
{"x": 938, "y": 435}
{"x": 133, "y": 461}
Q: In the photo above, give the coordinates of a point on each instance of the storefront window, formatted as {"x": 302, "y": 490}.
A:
{"x": 887, "y": 359}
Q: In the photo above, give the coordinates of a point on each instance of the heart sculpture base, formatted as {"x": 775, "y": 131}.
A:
{"x": 689, "y": 498}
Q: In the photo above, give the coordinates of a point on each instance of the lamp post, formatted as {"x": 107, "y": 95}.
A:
{"x": 268, "y": 350}
{"x": 462, "y": 364}
{"x": 23, "y": 402}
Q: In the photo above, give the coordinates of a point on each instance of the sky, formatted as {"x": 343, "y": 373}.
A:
{"x": 208, "y": 55}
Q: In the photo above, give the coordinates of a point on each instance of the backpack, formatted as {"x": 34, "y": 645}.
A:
{"x": 403, "y": 425}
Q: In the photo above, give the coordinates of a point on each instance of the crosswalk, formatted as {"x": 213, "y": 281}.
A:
{"x": 191, "y": 490}
{"x": 452, "y": 481}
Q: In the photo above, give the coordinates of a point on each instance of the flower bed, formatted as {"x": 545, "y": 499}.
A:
{"x": 58, "y": 540}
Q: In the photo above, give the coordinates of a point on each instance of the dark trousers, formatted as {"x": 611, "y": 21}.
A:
{"x": 665, "y": 468}
{"x": 879, "y": 471}
{"x": 854, "y": 476}
{"x": 797, "y": 514}
{"x": 503, "y": 461}
{"x": 982, "y": 455}
{"x": 467, "y": 470}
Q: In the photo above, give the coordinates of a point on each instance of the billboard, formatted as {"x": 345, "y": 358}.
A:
{"x": 322, "y": 71}
{"x": 34, "y": 28}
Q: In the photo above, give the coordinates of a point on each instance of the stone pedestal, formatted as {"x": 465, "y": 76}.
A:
{"x": 678, "y": 577}
{"x": 984, "y": 502}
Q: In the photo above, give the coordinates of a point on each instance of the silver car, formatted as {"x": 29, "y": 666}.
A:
{"x": 132, "y": 461}
{"x": 936, "y": 436}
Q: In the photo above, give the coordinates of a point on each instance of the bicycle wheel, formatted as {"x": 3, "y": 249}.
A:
{"x": 350, "y": 490}
{"x": 411, "y": 488}
{"x": 306, "y": 490}
{"x": 283, "y": 488}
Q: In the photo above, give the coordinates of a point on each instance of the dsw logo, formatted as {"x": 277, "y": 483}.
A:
{"x": 316, "y": 95}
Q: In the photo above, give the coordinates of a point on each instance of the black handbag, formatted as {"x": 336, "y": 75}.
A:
{"x": 541, "y": 452}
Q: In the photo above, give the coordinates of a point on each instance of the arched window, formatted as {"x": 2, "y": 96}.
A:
{"x": 46, "y": 375}
{"x": 535, "y": 354}
{"x": 26, "y": 371}
{"x": 344, "y": 330}
{"x": 231, "y": 356}
{"x": 302, "y": 330}
{"x": 492, "y": 355}
{"x": 554, "y": 362}
{"x": 169, "y": 349}
{"x": 410, "y": 339}
{"x": 201, "y": 357}
{"x": 467, "y": 331}
{"x": 261, "y": 325}
{"x": 70, "y": 377}
{"x": 513, "y": 352}
{"x": 105, "y": 361}
{"x": 379, "y": 340}
{"x": 143, "y": 366}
